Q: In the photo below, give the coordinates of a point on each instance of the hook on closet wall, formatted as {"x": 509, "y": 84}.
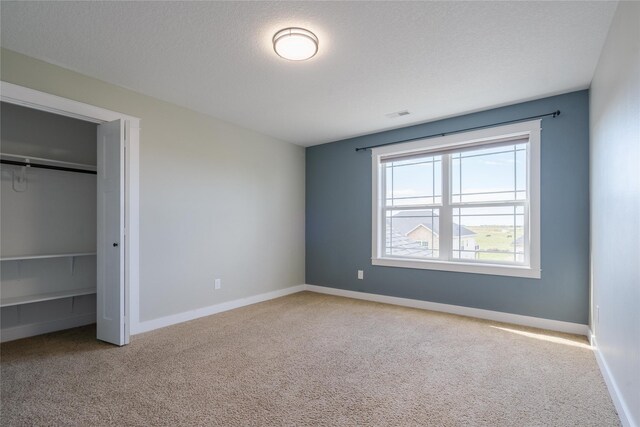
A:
{"x": 20, "y": 179}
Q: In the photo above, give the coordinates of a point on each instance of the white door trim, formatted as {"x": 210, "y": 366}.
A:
{"x": 35, "y": 99}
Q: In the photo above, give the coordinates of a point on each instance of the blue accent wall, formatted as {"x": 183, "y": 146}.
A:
{"x": 338, "y": 220}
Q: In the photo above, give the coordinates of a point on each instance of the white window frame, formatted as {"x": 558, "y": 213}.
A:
{"x": 531, "y": 267}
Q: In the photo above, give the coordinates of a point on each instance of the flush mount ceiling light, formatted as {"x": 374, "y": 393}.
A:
{"x": 295, "y": 44}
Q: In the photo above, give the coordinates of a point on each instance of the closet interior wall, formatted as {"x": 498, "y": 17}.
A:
{"x": 48, "y": 223}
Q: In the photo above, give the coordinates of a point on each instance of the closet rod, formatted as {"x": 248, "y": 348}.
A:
{"x": 37, "y": 165}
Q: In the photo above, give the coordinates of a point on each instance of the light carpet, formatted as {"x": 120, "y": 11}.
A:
{"x": 308, "y": 360}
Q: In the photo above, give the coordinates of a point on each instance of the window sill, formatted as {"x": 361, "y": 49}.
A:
{"x": 460, "y": 267}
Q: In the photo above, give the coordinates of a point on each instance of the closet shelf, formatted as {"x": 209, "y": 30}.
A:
{"x": 51, "y": 162}
{"x": 69, "y": 255}
{"x": 7, "y": 302}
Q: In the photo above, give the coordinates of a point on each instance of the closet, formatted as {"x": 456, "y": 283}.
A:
{"x": 48, "y": 222}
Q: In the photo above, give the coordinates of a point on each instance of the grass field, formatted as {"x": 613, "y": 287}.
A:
{"x": 494, "y": 238}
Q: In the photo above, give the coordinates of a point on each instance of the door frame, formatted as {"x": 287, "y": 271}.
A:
{"x": 27, "y": 97}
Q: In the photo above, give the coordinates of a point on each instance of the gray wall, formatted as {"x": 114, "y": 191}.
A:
{"x": 615, "y": 205}
{"x": 216, "y": 200}
{"x": 339, "y": 220}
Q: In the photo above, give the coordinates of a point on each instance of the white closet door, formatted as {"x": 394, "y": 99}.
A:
{"x": 110, "y": 251}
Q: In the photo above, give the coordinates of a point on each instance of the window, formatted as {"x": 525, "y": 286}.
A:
{"x": 465, "y": 202}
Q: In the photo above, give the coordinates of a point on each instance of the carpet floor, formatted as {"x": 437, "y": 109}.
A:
{"x": 308, "y": 360}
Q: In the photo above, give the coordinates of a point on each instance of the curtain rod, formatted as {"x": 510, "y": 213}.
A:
{"x": 37, "y": 165}
{"x": 539, "y": 116}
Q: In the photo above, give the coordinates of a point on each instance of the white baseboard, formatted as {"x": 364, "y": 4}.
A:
{"x": 161, "y": 322}
{"x": 32, "y": 329}
{"x": 623, "y": 410}
{"x": 498, "y": 316}
{"x": 535, "y": 322}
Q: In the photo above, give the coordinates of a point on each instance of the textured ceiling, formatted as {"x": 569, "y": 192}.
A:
{"x": 435, "y": 59}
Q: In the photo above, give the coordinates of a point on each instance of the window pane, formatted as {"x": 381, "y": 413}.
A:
{"x": 521, "y": 174}
{"x": 489, "y": 174}
{"x": 414, "y": 182}
{"x": 494, "y": 234}
{"x": 412, "y": 233}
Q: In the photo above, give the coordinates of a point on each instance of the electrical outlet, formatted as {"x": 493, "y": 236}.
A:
{"x": 360, "y": 274}
{"x": 218, "y": 284}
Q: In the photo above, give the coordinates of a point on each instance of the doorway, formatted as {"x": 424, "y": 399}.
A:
{"x": 116, "y": 243}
